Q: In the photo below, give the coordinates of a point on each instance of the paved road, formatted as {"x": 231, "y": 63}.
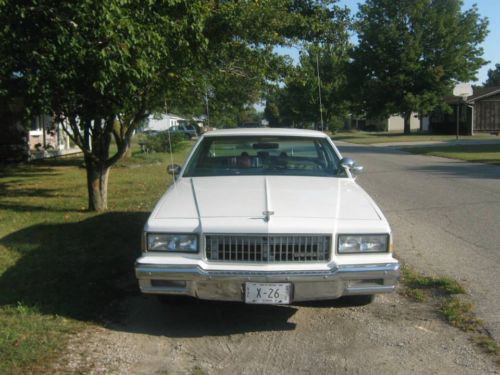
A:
{"x": 445, "y": 215}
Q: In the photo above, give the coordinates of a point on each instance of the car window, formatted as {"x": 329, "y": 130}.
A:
{"x": 263, "y": 155}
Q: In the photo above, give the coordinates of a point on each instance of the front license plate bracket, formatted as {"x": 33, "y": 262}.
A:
{"x": 268, "y": 293}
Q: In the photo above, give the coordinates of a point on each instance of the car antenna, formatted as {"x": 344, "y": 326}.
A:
{"x": 170, "y": 146}
{"x": 319, "y": 89}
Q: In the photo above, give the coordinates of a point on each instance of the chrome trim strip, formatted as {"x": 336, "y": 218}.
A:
{"x": 170, "y": 272}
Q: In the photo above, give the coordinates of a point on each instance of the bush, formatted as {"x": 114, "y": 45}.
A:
{"x": 160, "y": 142}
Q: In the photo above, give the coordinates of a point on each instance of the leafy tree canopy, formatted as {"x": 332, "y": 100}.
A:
{"x": 100, "y": 67}
{"x": 493, "y": 77}
{"x": 411, "y": 52}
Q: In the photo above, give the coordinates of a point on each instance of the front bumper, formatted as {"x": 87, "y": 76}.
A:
{"x": 227, "y": 285}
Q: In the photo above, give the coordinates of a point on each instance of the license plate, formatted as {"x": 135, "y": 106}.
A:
{"x": 267, "y": 293}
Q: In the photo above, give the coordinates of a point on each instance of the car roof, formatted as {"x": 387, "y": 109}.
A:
{"x": 266, "y": 131}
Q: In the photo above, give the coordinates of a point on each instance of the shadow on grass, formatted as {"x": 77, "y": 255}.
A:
{"x": 70, "y": 161}
{"x": 74, "y": 270}
{"x": 25, "y": 198}
{"x": 85, "y": 271}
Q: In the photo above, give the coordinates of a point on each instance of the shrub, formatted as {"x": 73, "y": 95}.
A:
{"x": 160, "y": 142}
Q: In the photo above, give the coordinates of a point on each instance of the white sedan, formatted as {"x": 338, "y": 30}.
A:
{"x": 268, "y": 216}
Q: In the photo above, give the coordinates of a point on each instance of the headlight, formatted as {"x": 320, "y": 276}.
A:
{"x": 373, "y": 243}
{"x": 187, "y": 243}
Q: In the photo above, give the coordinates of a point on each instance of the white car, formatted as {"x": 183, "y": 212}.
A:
{"x": 270, "y": 216}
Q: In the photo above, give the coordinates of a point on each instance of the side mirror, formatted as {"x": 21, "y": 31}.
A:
{"x": 351, "y": 165}
{"x": 174, "y": 169}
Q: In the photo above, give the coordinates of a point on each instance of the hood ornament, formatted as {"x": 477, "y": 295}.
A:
{"x": 267, "y": 215}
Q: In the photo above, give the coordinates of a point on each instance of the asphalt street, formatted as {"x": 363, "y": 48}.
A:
{"x": 445, "y": 216}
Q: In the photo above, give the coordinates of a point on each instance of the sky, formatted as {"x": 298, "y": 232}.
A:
{"x": 491, "y": 44}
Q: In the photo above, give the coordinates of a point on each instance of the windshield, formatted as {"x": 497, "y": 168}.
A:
{"x": 264, "y": 155}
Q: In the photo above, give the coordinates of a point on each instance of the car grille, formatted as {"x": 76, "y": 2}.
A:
{"x": 268, "y": 248}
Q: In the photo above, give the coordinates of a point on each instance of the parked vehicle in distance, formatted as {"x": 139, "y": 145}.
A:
{"x": 189, "y": 131}
{"x": 270, "y": 216}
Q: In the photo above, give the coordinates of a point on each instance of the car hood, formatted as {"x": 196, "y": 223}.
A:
{"x": 251, "y": 196}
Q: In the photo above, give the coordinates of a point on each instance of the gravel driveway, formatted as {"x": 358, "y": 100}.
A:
{"x": 390, "y": 336}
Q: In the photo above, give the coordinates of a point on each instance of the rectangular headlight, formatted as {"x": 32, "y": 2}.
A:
{"x": 185, "y": 243}
{"x": 354, "y": 244}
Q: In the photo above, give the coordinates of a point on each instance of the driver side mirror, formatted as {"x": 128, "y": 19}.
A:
{"x": 174, "y": 169}
{"x": 351, "y": 165}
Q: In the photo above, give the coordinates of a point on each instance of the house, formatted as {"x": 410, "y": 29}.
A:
{"x": 163, "y": 122}
{"x": 45, "y": 134}
{"x": 480, "y": 113}
{"x": 38, "y": 138}
{"x": 13, "y": 135}
{"x": 394, "y": 124}
{"x": 485, "y": 109}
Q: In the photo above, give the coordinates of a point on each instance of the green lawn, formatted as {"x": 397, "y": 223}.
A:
{"x": 61, "y": 267}
{"x": 478, "y": 153}
{"x": 360, "y": 137}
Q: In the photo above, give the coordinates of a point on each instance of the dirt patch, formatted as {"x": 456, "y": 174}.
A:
{"x": 392, "y": 335}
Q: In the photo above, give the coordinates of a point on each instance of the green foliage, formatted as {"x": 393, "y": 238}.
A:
{"x": 487, "y": 344}
{"x": 165, "y": 142}
{"x": 411, "y": 52}
{"x": 493, "y": 77}
{"x": 414, "y": 280}
{"x": 298, "y": 102}
{"x": 460, "y": 314}
{"x": 104, "y": 66}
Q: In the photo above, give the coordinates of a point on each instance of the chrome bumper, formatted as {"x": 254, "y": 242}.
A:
{"x": 230, "y": 285}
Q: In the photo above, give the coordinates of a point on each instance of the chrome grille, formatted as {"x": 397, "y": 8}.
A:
{"x": 267, "y": 248}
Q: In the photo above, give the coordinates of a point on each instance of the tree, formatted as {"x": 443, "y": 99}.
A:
{"x": 101, "y": 67}
{"x": 410, "y": 54}
{"x": 493, "y": 77}
{"x": 322, "y": 63}
{"x": 297, "y": 102}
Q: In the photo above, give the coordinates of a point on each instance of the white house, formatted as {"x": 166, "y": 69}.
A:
{"x": 163, "y": 122}
{"x": 394, "y": 123}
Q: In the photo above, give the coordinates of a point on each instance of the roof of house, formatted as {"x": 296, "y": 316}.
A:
{"x": 478, "y": 93}
{"x": 483, "y": 92}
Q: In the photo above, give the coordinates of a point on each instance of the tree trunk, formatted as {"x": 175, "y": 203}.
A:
{"x": 407, "y": 127}
{"x": 97, "y": 185}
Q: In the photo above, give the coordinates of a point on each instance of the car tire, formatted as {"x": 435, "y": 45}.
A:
{"x": 361, "y": 300}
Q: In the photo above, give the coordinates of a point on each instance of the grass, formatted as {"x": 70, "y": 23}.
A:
{"x": 61, "y": 267}
{"x": 417, "y": 282}
{"x": 487, "y": 344}
{"x": 460, "y": 314}
{"x": 476, "y": 153}
{"x": 445, "y": 292}
{"x": 360, "y": 137}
